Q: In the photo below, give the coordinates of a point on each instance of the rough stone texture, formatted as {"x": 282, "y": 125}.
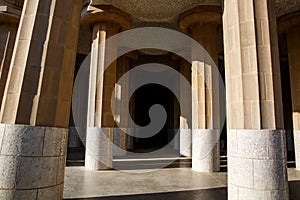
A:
{"x": 32, "y": 158}
{"x": 99, "y": 148}
{"x": 18, "y": 194}
{"x": 284, "y": 7}
{"x": 18, "y": 141}
{"x": 53, "y": 193}
{"x": 158, "y": 10}
{"x": 257, "y": 164}
{"x": 206, "y": 150}
{"x": 120, "y": 142}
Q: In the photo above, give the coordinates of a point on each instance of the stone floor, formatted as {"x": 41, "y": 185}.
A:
{"x": 169, "y": 183}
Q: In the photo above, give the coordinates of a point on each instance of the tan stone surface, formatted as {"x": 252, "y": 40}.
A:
{"x": 202, "y": 24}
{"x": 38, "y": 90}
{"x": 252, "y": 66}
{"x": 101, "y": 82}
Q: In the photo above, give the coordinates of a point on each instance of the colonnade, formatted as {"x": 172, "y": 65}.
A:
{"x": 37, "y": 95}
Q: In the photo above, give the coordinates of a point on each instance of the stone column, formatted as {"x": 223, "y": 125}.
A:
{"x": 290, "y": 24}
{"x": 202, "y": 24}
{"x": 256, "y": 139}
{"x": 120, "y": 137}
{"x": 36, "y": 104}
{"x": 105, "y": 21}
{"x": 9, "y": 19}
{"x": 185, "y": 121}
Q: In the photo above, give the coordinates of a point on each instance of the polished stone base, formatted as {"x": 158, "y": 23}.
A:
{"x": 32, "y": 162}
{"x": 120, "y": 142}
{"x": 257, "y": 165}
{"x": 205, "y": 150}
{"x": 186, "y": 142}
{"x": 297, "y": 148}
{"x": 99, "y": 148}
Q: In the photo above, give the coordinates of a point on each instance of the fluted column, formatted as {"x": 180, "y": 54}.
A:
{"x": 290, "y": 25}
{"x": 202, "y": 24}
{"x": 256, "y": 137}
{"x": 105, "y": 22}
{"x": 36, "y": 104}
{"x": 9, "y": 19}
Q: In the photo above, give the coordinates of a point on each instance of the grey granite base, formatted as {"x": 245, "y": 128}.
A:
{"x": 120, "y": 142}
{"x": 257, "y": 165}
{"x": 186, "y": 142}
{"x": 99, "y": 148}
{"x": 205, "y": 150}
{"x": 130, "y": 141}
{"x": 297, "y": 148}
{"x": 32, "y": 162}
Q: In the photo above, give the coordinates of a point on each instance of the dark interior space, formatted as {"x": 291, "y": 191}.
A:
{"x": 286, "y": 97}
{"x": 145, "y": 97}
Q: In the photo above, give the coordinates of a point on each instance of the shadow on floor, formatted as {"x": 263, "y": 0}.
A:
{"x": 209, "y": 194}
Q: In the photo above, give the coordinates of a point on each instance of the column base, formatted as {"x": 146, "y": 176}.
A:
{"x": 120, "y": 142}
{"x": 99, "y": 148}
{"x": 32, "y": 162}
{"x": 205, "y": 150}
{"x": 129, "y": 142}
{"x": 257, "y": 165}
{"x": 186, "y": 142}
{"x": 297, "y": 148}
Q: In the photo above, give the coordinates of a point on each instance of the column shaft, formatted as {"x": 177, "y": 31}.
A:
{"x": 206, "y": 123}
{"x": 256, "y": 140}
{"x": 100, "y": 129}
{"x": 38, "y": 96}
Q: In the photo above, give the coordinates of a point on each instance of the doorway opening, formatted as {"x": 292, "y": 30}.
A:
{"x": 145, "y": 97}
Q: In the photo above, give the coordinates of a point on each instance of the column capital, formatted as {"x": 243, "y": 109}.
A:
{"x": 288, "y": 21}
{"x": 106, "y": 14}
{"x": 198, "y": 15}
